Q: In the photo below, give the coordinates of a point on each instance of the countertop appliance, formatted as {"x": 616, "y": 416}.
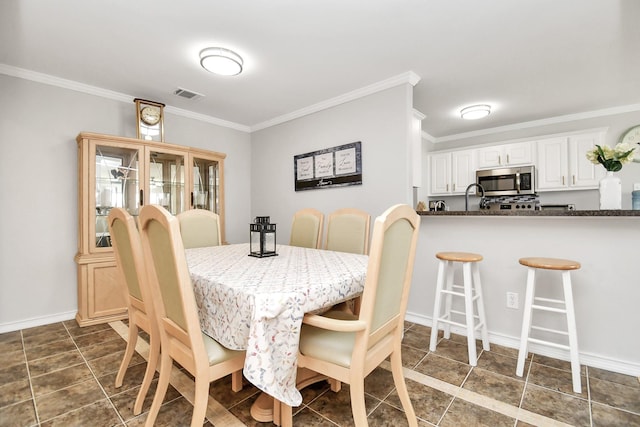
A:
{"x": 511, "y": 203}
{"x": 507, "y": 181}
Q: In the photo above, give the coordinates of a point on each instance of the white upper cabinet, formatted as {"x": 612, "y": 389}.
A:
{"x": 452, "y": 172}
{"x": 562, "y": 163}
{"x": 463, "y": 170}
{"x": 520, "y": 153}
{"x": 585, "y": 174}
{"x": 440, "y": 173}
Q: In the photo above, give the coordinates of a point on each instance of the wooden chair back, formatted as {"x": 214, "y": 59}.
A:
{"x": 199, "y": 228}
{"x": 348, "y": 231}
{"x": 177, "y": 315}
{"x": 306, "y": 228}
{"x": 127, "y": 248}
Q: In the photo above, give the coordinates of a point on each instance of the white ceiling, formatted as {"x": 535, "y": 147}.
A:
{"x": 531, "y": 59}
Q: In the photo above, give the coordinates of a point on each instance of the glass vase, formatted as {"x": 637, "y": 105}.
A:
{"x": 610, "y": 192}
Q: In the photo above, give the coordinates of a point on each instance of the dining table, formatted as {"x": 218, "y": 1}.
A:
{"x": 257, "y": 304}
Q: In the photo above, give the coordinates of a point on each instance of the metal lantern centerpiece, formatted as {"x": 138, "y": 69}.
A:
{"x": 262, "y": 238}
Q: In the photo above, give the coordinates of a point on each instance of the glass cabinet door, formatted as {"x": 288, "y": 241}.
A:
{"x": 205, "y": 185}
{"x": 116, "y": 185}
{"x": 166, "y": 180}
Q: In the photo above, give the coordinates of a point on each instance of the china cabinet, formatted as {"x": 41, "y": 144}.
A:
{"x": 128, "y": 173}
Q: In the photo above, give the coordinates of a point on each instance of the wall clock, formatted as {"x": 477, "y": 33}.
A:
{"x": 632, "y": 136}
{"x": 149, "y": 119}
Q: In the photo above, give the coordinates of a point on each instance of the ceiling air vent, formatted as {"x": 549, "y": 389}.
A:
{"x": 188, "y": 94}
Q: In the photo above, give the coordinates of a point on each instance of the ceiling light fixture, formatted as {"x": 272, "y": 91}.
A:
{"x": 474, "y": 112}
{"x": 219, "y": 60}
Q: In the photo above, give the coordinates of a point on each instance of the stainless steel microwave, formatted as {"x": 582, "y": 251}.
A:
{"x": 507, "y": 181}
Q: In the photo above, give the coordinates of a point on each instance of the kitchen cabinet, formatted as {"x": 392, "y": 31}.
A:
{"x": 128, "y": 173}
{"x": 562, "y": 163}
{"x": 520, "y": 153}
{"x": 452, "y": 172}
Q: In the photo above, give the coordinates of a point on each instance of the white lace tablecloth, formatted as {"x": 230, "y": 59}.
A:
{"x": 257, "y": 304}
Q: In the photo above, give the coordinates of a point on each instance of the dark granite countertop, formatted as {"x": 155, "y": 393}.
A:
{"x": 555, "y": 213}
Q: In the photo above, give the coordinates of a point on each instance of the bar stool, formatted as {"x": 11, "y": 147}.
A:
{"x": 552, "y": 305}
{"x": 470, "y": 291}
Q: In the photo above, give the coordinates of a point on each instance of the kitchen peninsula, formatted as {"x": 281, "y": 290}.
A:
{"x": 536, "y": 213}
{"x": 606, "y": 288}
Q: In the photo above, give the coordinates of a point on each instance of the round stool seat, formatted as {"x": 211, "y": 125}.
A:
{"x": 550, "y": 263}
{"x": 459, "y": 256}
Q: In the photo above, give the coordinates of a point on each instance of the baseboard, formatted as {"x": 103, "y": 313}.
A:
{"x": 587, "y": 359}
{"x": 36, "y": 321}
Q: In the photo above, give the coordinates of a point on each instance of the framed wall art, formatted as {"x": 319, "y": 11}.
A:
{"x": 332, "y": 167}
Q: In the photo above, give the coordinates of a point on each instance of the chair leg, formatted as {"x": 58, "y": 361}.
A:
{"x": 200, "y": 401}
{"x": 401, "y": 387}
{"x": 152, "y": 363}
{"x": 166, "y": 364}
{"x": 526, "y": 321}
{"x": 132, "y": 339}
{"x": 358, "y": 407}
{"x": 236, "y": 381}
{"x": 573, "y": 333}
{"x": 448, "y": 298}
{"x": 286, "y": 415}
{"x": 480, "y": 303}
{"x": 468, "y": 307}
{"x": 436, "y": 307}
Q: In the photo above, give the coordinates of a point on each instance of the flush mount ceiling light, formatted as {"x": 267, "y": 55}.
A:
{"x": 221, "y": 61}
{"x": 474, "y": 112}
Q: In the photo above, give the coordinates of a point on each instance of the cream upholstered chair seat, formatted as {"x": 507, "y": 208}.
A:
{"x": 176, "y": 315}
{"x": 347, "y": 347}
{"x": 130, "y": 264}
{"x": 306, "y": 228}
{"x": 199, "y": 228}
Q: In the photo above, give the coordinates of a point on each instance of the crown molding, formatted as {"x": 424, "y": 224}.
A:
{"x": 207, "y": 119}
{"x": 63, "y": 83}
{"x": 409, "y": 77}
{"x": 109, "y": 94}
{"x": 537, "y": 123}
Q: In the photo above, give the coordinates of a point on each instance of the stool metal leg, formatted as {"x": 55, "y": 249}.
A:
{"x": 573, "y": 333}
{"x": 468, "y": 307}
{"x": 475, "y": 269}
{"x": 526, "y": 320}
{"x": 436, "y": 309}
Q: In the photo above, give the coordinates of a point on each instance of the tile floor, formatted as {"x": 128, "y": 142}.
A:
{"x": 63, "y": 375}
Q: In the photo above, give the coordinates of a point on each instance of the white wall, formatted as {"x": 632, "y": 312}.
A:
{"x": 38, "y": 200}
{"x": 380, "y": 121}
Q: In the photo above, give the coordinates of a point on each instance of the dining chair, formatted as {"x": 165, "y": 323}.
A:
{"x": 347, "y": 347}
{"x": 199, "y": 228}
{"x": 348, "y": 231}
{"x": 177, "y": 316}
{"x": 127, "y": 247}
{"x": 306, "y": 228}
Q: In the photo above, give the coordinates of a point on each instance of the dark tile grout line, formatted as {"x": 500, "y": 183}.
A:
{"x": 33, "y": 394}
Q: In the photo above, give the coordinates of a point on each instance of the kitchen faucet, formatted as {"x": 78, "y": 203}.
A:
{"x": 466, "y": 194}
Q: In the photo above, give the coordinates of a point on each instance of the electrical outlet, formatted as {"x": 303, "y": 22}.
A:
{"x": 512, "y": 300}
